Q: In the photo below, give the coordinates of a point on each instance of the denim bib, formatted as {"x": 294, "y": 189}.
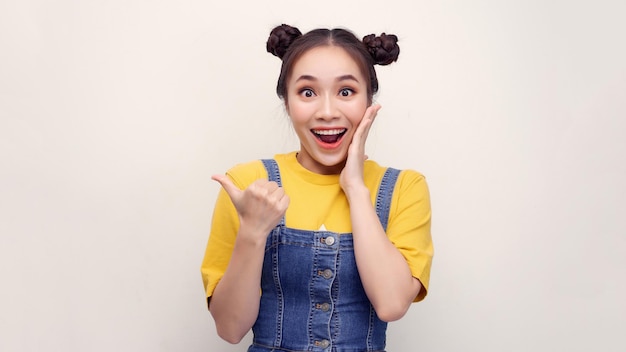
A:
{"x": 312, "y": 297}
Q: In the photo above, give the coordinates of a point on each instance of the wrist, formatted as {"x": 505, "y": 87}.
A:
{"x": 356, "y": 193}
{"x": 252, "y": 235}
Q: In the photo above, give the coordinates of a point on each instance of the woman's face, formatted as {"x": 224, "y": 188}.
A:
{"x": 326, "y": 100}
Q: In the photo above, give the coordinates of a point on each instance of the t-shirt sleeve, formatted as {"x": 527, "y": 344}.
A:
{"x": 224, "y": 226}
{"x": 409, "y": 226}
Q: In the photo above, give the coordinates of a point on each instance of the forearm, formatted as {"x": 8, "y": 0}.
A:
{"x": 235, "y": 301}
{"x": 384, "y": 272}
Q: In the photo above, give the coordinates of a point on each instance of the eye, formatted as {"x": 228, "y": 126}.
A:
{"x": 346, "y": 92}
{"x": 307, "y": 92}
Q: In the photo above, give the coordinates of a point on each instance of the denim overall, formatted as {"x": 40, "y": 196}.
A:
{"x": 312, "y": 297}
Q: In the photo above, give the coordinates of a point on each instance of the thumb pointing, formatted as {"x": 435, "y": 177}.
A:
{"x": 228, "y": 185}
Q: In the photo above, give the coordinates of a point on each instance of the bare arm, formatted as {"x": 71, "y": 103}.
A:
{"x": 384, "y": 272}
{"x": 234, "y": 304}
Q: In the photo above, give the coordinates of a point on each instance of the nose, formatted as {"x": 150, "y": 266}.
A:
{"x": 328, "y": 108}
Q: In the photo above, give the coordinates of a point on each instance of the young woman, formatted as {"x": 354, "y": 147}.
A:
{"x": 316, "y": 250}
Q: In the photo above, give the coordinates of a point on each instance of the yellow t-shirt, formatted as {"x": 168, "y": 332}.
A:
{"x": 318, "y": 200}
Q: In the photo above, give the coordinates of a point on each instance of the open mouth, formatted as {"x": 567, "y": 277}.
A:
{"x": 329, "y": 136}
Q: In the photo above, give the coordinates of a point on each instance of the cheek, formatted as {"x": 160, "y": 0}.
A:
{"x": 298, "y": 113}
{"x": 357, "y": 111}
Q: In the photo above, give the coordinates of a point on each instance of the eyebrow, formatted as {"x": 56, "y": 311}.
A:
{"x": 339, "y": 79}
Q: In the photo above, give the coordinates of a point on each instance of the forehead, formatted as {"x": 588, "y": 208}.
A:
{"x": 326, "y": 61}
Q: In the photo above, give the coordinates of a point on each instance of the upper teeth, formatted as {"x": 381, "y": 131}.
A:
{"x": 329, "y": 132}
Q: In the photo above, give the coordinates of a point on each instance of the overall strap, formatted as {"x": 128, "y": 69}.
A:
{"x": 385, "y": 193}
{"x": 273, "y": 174}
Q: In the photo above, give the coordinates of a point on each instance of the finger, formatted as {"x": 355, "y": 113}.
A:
{"x": 228, "y": 185}
{"x": 278, "y": 193}
{"x": 371, "y": 112}
{"x": 284, "y": 203}
{"x": 375, "y": 108}
{"x": 369, "y": 118}
{"x": 271, "y": 186}
{"x": 263, "y": 187}
{"x": 360, "y": 136}
{"x": 261, "y": 182}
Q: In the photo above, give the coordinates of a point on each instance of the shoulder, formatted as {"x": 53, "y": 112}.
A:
{"x": 411, "y": 191}
{"x": 244, "y": 174}
{"x": 412, "y": 184}
{"x": 411, "y": 177}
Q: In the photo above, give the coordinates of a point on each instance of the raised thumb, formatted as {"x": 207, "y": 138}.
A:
{"x": 228, "y": 185}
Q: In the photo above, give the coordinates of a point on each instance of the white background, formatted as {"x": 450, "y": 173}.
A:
{"x": 114, "y": 115}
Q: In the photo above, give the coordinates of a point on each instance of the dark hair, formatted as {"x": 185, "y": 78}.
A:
{"x": 288, "y": 43}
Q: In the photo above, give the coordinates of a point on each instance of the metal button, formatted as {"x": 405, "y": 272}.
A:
{"x": 323, "y": 344}
{"x": 323, "y": 306}
{"x": 327, "y": 274}
{"x": 330, "y": 240}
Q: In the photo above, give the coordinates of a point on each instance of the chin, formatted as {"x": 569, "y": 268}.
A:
{"x": 331, "y": 162}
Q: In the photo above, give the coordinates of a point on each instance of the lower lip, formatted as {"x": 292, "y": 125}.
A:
{"x": 329, "y": 145}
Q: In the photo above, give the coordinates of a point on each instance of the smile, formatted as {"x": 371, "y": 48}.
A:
{"x": 329, "y": 136}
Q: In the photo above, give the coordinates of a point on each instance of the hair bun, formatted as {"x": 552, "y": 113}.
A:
{"x": 281, "y": 38}
{"x": 384, "y": 49}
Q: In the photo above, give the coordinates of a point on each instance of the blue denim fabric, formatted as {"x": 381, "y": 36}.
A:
{"x": 312, "y": 297}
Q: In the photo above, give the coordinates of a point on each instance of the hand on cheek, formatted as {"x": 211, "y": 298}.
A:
{"x": 352, "y": 175}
